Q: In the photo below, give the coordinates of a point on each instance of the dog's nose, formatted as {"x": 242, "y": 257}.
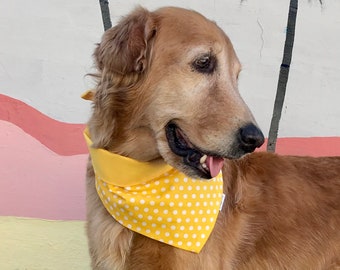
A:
{"x": 250, "y": 137}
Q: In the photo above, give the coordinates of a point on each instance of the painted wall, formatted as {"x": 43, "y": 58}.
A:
{"x": 45, "y": 54}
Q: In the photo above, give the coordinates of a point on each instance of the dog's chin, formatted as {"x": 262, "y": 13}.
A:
{"x": 188, "y": 170}
{"x": 192, "y": 160}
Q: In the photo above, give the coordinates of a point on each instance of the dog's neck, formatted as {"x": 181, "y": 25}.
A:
{"x": 133, "y": 140}
{"x": 139, "y": 144}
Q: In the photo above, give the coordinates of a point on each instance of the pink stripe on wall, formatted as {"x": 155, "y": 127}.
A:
{"x": 67, "y": 139}
{"x": 62, "y": 138}
{"x": 313, "y": 146}
{"x": 36, "y": 182}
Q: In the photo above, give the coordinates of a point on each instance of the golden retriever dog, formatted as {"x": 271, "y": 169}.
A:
{"x": 167, "y": 93}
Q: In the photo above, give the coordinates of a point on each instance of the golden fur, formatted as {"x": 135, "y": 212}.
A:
{"x": 281, "y": 212}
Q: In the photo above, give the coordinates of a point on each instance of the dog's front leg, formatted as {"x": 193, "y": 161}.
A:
{"x": 109, "y": 242}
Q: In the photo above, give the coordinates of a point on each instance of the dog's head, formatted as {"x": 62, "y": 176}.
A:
{"x": 168, "y": 87}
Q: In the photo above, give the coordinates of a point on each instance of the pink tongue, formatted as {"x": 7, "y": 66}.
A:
{"x": 214, "y": 164}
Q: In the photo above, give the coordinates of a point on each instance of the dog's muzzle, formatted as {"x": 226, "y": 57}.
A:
{"x": 208, "y": 165}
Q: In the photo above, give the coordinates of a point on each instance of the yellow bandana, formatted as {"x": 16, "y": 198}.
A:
{"x": 156, "y": 200}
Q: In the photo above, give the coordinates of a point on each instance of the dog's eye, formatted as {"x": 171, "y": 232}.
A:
{"x": 205, "y": 63}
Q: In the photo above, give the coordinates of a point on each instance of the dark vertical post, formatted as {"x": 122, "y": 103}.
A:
{"x": 104, "y": 7}
{"x": 283, "y": 77}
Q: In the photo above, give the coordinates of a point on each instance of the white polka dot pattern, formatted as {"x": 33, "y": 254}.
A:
{"x": 172, "y": 208}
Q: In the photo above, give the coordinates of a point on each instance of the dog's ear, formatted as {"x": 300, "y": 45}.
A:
{"x": 124, "y": 48}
